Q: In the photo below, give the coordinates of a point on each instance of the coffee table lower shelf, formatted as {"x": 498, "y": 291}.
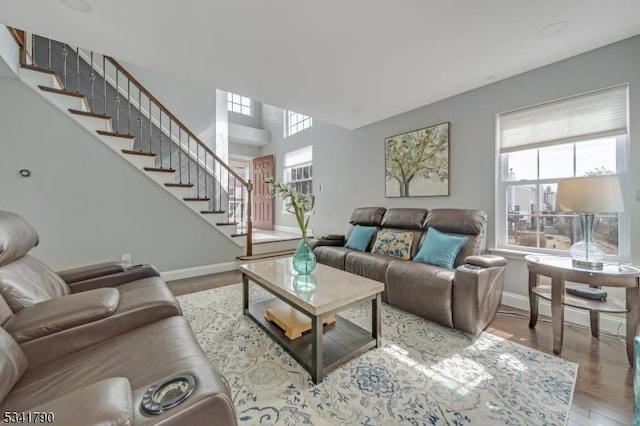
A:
{"x": 341, "y": 341}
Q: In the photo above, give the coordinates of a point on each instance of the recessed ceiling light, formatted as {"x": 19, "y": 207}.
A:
{"x": 356, "y": 110}
{"x": 553, "y": 29}
{"x": 78, "y": 5}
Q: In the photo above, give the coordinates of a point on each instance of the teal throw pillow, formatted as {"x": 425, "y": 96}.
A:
{"x": 440, "y": 249}
{"x": 360, "y": 237}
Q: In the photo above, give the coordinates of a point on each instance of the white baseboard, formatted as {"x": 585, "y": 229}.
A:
{"x": 198, "y": 271}
{"x": 289, "y": 229}
{"x": 608, "y": 323}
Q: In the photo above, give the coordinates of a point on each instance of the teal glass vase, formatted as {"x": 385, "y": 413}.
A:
{"x": 304, "y": 261}
{"x": 636, "y": 383}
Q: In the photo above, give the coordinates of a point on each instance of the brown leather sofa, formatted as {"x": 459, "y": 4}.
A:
{"x": 465, "y": 297}
{"x": 87, "y": 343}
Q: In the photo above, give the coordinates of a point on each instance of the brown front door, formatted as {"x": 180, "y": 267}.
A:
{"x": 263, "y": 168}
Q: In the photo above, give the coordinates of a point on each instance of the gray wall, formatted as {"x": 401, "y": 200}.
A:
{"x": 244, "y": 150}
{"x": 350, "y": 164}
{"x": 87, "y": 203}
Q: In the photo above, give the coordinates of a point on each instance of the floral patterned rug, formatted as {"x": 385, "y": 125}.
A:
{"x": 424, "y": 374}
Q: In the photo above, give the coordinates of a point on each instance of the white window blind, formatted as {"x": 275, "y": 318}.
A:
{"x": 301, "y": 156}
{"x": 591, "y": 115}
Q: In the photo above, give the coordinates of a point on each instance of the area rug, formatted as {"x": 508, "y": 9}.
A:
{"x": 424, "y": 374}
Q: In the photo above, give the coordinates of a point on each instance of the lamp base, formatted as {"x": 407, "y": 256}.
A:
{"x": 594, "y": 265}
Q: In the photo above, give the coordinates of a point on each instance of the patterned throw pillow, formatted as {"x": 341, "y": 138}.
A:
{"x": 393, "y": 243}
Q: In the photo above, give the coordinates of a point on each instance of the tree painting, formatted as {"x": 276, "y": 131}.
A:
{"x": 417, "y": 162}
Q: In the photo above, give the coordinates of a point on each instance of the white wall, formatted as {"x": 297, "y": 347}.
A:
{"x": 87, "y": 203}
{"x": 350, "y": 164}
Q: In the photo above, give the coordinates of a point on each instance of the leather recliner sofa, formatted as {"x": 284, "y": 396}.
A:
{"x": 465, "y": 297}
{"x": 87, "y": 343}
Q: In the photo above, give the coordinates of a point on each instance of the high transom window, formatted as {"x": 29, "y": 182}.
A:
{"x": 239, "y": 104}
{"x": 296, "y": 122}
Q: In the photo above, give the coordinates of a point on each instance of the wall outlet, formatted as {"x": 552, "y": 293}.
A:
{"x": 126, "y": 260}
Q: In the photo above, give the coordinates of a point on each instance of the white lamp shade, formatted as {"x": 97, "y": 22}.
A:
{"x": 591, "y": 194}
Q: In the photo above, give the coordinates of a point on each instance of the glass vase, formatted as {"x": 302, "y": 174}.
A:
{"x": 304, "y": 261}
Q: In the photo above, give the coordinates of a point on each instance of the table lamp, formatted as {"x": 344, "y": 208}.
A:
{"x": 587, "y": 196}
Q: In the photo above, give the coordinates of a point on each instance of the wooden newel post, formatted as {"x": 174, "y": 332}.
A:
{"x": 249, "y": 218}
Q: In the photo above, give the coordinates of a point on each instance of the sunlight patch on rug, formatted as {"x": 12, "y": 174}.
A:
{"x": 424, "y": 374}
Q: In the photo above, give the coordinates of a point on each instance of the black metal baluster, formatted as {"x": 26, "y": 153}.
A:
{"x": 150, "y": 131}
{"x": 205, "y": 176}
{"x": 242, "y": 208}
{"x": 104, "y": 77}
{"x": 77, "y": 70}
{"x": 49, "y": 53}
{"x": 198, "y": 168}
{"x": 170, "y": 142}
{"x": 33, "y": 50}
{"x": 140, "y": 118}
{"x": 65, "y": 52}
{"x": 117, "y": 102}
{"x": 160, "y": 136}
{"x": 189, "y": 157}
{"x": 128, "y": 106}
{"x": 92, "y": 78}
{"x": 180, "y": 151}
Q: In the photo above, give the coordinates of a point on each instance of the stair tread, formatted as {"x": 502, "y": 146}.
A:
{"x": 61, "y": 91}
{"x": 227, "y": 224}
{"x": 37, "y": 68}
{"x": 144, "y": 153}
{"x": 196, "y": 199}
{"x": 159, "y": 169}
{"x": 179, "y": 185}
{"x": 212, "y": 211}
{"x": 118, "y": 135}
{"x": 243, "y": 234}
{"x": 89, "y": 114}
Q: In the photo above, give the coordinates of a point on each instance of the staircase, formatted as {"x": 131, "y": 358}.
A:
{"x": 102, "y": 96}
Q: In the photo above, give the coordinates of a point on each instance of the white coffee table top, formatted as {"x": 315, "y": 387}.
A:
{"x": 333, "y": 288}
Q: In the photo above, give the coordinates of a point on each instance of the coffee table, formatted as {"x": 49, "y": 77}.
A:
{"x": 323, "y": 349}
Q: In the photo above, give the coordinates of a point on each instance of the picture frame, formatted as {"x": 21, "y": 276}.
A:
{"x": 417, "y": 162}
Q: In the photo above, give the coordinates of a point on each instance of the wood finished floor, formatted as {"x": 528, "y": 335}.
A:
{"x": 604, "y": 387}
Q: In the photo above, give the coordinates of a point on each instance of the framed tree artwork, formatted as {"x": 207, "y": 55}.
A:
{"x": 417, "y": 163}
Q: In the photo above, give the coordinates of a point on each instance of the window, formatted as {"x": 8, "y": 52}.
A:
{"x": 295, "y": 122}
{"x": 578, "y": 136}
{"x": 239, "y": 104}
{"x": 298, "y": 170}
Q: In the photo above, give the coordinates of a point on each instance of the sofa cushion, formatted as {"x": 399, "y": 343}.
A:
{"x": 369, "y": 265}
{"x": 360, "y": 237}
{"x": 17, "y": 237}
{"x": 421, "y": 289}
{"x": 393, "y": 243}
{"x": 331, "y": 256}
{"x": 27, "y": 281}
{"x": 13, "y": 363}
{"x": 470, "y": 223}
{"x": 406, "y": 218}
{"x": 440, "y": 249}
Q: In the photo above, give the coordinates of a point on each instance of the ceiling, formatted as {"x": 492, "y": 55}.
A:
{"x": 349, "y": 63}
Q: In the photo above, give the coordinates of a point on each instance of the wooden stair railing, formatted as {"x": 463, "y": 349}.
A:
{"x": 195, "y": 164}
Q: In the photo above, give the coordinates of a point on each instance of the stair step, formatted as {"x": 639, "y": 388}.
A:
{"x": 159, "y": 169}
{"x": 195, "y": 199}
{"x": 244, "y": 234}
{"x": 40, "y": 69}
{"x": 178, "y": 185}
{"x": 118, "y": 135}
{"x": 227, "y": 224}
{"x": 212, "y": 211}
{"x": 61, "y": 91}
{"x": 146, "y": 154}
{"x": 89, "y": 114}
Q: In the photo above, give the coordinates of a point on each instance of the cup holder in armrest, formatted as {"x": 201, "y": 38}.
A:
{"x": 167, "y": 394}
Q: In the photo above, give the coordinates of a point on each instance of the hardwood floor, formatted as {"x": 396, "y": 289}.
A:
{"x": 604, "y": 387}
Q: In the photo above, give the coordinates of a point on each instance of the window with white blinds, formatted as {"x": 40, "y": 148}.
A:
{"x": 298, "y": 171}
{"x": 581, "y": 135}
{"x": 588, "y": 116}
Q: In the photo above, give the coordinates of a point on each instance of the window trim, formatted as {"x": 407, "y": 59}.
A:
{"x": 302, "y": 122}
{"x": 241, "y": 105}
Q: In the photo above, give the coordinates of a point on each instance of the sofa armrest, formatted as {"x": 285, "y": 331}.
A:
{"x": 107, "y": 402}
{"x": 328, "y": 240}
{"x": 91, "y": 271}
{"x": 477, "y": 292}
{"x": 133, "y": 273}
{"x": 485, "y": 260}
{"x": 62, "y": 313}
